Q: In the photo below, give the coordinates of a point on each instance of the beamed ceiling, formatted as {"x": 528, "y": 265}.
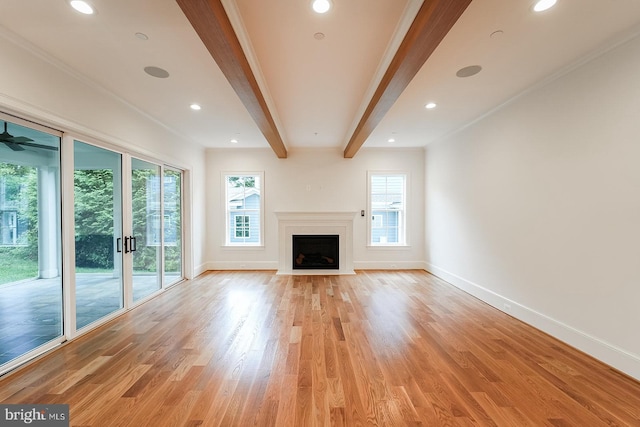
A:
{"x": 272, "y": 73}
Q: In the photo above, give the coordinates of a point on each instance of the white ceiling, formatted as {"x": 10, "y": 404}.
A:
{"x": 316, "y": 89}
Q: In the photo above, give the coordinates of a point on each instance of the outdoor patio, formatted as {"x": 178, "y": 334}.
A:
{"x": 31, "y": 310}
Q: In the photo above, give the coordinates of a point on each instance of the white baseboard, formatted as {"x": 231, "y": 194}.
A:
{"x": 242, "y": 265}
{"x": 317, "y": 273}
{"x": 273, "y": 265}
{"x": 200, "y": 269}
{"x": 388, "y": 265}
{"x": 607, "y": 353}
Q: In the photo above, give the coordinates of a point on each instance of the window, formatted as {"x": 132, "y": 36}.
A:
{"x": 14, "y": 196}
{"x": 387, "y": 206}
{"x": 8, "y": 228}
{"x": 244, "y": 207}
{"x": 242, "y": 226}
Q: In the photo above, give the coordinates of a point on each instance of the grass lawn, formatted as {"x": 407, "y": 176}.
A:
{"x": 93, "y": 270}
{"x": 14, "y": 266}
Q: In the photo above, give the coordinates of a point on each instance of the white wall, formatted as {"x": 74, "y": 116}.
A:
{"x": 34, "y": 87}
{"x": 336, "y": 184}
{"x": 536, "y": 208}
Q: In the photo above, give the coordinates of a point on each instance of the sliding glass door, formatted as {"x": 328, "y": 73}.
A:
{"x": 30, "y": 231}
{"x": 122, "y": 239}
{"x": 156, "y": 198}
{"x": 98, "y": 233}
{"x": 146, "y": 237}
{"x": 172, "y": 226}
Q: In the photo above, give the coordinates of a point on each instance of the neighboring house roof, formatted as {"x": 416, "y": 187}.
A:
{"x": 242, "y": 193}
{"x": 237, "y": 197}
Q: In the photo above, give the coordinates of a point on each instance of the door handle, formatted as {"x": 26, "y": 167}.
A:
{"x": 119, "y": 244}
{"x": 130, "y": 244}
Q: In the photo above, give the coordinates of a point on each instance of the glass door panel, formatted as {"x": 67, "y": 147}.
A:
{"x": 146, "y": 239}
{"x": 98, "y": 232}
{"x": 172, "y": 226}
{"x": 30, "y": 250}
{"x": 126, "y": 243}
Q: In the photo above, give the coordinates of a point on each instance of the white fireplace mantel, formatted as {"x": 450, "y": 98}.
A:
{"x": 340, "y": 223}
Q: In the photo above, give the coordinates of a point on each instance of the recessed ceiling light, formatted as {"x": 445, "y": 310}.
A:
{"x": 321, "y": 6}
{"x": 82, "y": 7}
{"x": 142, "y": 36}
{"x": 430, "y": 106}
{"x": 234, "y": 141}
{"x": 543, "y": 5}
{"x": 391, "y": 140}
{"x": 469, "y": 71}
{"x": 158, "y": 72}
{"x": 195, "y": 107}
{"x": 318, "y": 36}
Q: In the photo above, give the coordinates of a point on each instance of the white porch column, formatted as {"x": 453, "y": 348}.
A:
{"x": 48, "y": 223}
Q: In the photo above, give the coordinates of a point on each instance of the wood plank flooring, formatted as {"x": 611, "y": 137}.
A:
{"x": 399, "y": 348}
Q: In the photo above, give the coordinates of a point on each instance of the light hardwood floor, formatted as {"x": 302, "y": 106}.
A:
{"x": 378, "y": 348}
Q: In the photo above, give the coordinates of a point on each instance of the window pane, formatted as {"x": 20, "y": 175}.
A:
{"x": 30, "y": 235}
{"x": 395, "y": 185}
{"x": 146, "y": 226}
{"x": 243, "y": 208}
{"x": 172, "y": 226}
{"x": 387, "y": 204}
{"x": 98, "y": 231}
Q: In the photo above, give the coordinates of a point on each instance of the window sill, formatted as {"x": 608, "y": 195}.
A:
{"x": 242, "y": 247}
{"x": 389, "y": 247}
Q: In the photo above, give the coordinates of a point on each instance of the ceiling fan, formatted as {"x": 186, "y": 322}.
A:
{"x": 17, "y": 143}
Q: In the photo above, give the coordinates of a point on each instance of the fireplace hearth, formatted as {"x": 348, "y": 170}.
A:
{"x": 315, "y": 252}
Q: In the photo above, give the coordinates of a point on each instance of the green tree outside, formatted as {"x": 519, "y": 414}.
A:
{"x": 19, "y": 185}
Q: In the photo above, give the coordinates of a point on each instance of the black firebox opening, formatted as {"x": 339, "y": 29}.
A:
{"x": 315, "y": 252}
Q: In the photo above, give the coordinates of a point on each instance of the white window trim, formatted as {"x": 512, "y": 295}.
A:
{"x": 226, "y": 217}
{"x": 404, "y": 243}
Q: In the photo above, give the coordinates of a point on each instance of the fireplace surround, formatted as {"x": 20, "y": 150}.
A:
{"x": 338, "y": 224}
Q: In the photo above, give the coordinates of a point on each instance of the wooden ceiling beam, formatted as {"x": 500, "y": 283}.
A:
{"x": 214, "y": 28}
{"x": 432, "y": 23}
